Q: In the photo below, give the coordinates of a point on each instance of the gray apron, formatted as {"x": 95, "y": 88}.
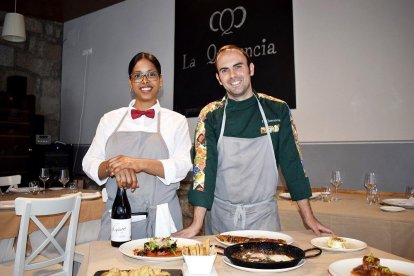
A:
{"x": 246, "y": 183}
{"x": 151, "y": 191}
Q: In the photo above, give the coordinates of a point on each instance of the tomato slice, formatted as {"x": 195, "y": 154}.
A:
{"x": 152, "y": 254}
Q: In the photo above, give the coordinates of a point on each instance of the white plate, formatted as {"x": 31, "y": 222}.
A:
{"x": 86, "y": 196}
{"x": 401, "y": 202}
{"x": 392, "y": 208}
{"x": 128, "y": 249}
{"x": 55, "y": 188}
{"x": 287, "y": 195}
{"x": 344, "y": 267}
{"x": 350, "y": 244}
{"x": 257, "y": 234}
{"x": 228, "y": 262}
{"x": 6, "y": 204}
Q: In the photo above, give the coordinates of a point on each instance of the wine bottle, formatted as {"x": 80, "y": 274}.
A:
{"x": 120, "y": 219}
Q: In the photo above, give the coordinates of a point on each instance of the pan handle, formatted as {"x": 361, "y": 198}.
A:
{"x": 319, "y": 252}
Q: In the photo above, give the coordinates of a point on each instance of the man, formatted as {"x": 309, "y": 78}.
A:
{"x": 239, "y": 143}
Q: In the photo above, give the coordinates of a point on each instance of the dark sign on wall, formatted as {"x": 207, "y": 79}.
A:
{"x": 264, "y": 28}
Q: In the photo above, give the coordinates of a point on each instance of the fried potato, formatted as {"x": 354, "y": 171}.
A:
{"x": 199, "y": 249}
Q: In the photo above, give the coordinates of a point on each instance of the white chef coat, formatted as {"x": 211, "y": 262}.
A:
{"x": 173, "y": 129}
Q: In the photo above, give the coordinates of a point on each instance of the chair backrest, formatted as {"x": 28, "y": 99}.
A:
{"x": 10, "y": 180}
{"x": 31, "y": 209}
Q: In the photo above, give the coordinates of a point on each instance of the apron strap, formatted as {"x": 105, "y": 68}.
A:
{"x": 267, "y": 130}
{"x": 239, "y": 218}
{"x": 117, "y": 127}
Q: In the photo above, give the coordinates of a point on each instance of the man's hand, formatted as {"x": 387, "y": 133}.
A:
{"x": 309, "y": 219}
{"x": 195, "y": 227}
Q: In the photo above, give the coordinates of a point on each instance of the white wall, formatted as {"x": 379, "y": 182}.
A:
{"x": 354, "y": 69}
{"x": 354, "y": 66}
{"x": 115, "y": 35}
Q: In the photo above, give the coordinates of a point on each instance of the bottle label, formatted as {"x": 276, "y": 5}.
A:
{"x": 120, "y": 230}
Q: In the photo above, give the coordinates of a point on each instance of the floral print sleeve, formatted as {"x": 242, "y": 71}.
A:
{"x": 200, "y": 146}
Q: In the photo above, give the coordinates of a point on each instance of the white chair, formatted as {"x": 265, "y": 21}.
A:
{"x": 11, "y": 181}
{"x": 30, "y": 209}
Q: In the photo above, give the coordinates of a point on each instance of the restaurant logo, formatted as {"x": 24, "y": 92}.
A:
{"x": 227, "y": 19}
{"x": 263, "y": 28}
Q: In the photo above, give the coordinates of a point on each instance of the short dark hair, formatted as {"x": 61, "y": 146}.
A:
{"x": 233, "y": 47}
{"x": 144, "y": 55}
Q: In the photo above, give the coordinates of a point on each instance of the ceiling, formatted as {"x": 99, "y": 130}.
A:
{"x": 55, "y": 10}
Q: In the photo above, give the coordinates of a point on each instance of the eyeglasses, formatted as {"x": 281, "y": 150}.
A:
{"x": 150, "y": 75}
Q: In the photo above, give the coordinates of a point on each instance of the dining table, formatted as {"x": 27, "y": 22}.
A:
{"x": 351, "y": 216}
{"x": 100, "y": 256}
{"x": 92, "y": 208}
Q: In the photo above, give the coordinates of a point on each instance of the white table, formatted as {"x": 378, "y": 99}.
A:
{"x": 101, "y": 256}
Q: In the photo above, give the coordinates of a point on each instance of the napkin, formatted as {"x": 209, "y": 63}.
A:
{"x": 91, "y": 195}
{"x": 19, "y": 190}
{"x": 104, "y": 195}
{"x": 164, "y": 224}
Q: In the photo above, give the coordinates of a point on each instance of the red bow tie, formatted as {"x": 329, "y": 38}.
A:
{"x": 150, "y": 113}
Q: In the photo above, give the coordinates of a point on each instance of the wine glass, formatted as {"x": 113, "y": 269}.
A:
{"x": 64, "y": 177}
{"x": 370, "y": 183}
{"x": 326, "y": 193}
{"x": 336, "y": 181}
{"x": 44, "y": 176}
{"x": 34, "y": 187}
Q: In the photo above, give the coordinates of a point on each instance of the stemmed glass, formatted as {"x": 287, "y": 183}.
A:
{"x": 44, "y": 176}
{"x": 370, "y": 183}
{"x": 64, "y": 177}
{"x": 336, "y": 181}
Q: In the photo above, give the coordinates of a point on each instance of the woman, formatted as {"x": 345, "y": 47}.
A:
{"x": 144, "y": 148}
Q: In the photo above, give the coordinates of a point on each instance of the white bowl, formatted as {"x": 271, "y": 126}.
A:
{"x": 200, "y": 264}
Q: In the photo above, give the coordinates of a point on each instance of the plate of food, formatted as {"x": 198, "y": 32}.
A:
{"x": 144, "y": 270}
{"x": 156, "y": 249}
{"x": 242, "y": 236}
{"x": 400, "y": 202}
{"x": 370, "y": 264}
{"x": 287, "y": 195}
{"x": 340, "y": 244}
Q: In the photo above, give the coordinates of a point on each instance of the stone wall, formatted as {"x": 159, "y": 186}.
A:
{"x": 39, "y": 59}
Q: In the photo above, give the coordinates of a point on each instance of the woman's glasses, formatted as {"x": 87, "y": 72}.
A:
{"x": 150, "y": 75}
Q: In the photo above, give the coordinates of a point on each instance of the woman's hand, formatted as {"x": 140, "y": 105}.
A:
{"x": 138, "y": 165}
{"x": 126, "y": 178}
{"x": 121, "y": 162}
